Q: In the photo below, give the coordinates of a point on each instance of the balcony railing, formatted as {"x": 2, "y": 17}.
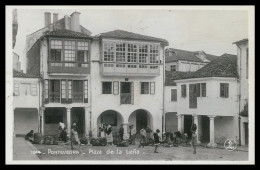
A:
{"x": 77, "y": 97}
{"x": 68, "y": 67}
{"x": 55, "y": 97}
{"x": 126, "y": 98}
{"x": 130, "y": 69}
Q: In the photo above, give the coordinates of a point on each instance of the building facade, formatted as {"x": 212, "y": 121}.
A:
{"x": 243, "y": 71}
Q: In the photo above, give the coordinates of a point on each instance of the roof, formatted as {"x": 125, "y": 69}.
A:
{"x": 223, "y": 66}
{"x": 23, "y": 75}
{"x": 241, "y": 41}
{"x": 178, "y": 54}
{"x": 129, "y": 35}
{"x": 170, "y": 76}
{"x": 66, "y": 33}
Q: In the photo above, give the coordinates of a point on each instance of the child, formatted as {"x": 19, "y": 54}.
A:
{"x": 156, "y": 140}
{"x": 194, "y": 141}
{"x": 143, "y": 137}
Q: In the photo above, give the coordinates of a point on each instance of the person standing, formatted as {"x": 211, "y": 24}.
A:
{"x": 194, "y": 137}
{"x": 74, "y": 135}
{"x": 156, "y": 140}
{"x": 109, "y": 135}
{"x": 121, "y": 132}
{"x": 143, "y": 137}
{"x": 132, "y": 133}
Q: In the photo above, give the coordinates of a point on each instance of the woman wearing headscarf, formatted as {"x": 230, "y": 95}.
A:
{"x": 109, "y": 135}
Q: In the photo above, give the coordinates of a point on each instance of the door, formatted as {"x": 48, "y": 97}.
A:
{"x": 78, "y": 117}
{"x": 126, "y": 91}
{"x": 194, "y": 92}
{"x": 205, "y": 129}
{"x": 187, "y": 125}
{"x": 246, "y": 133}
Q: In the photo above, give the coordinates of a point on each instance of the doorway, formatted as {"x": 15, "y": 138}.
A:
{"x": 78, "y": 117}
{"x": 246, "y": 133}
{"x": 187, "y": 125}
{"x": 205, "y": 131}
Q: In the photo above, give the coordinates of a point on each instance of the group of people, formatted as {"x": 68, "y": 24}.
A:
{"x": 106, "y": 132}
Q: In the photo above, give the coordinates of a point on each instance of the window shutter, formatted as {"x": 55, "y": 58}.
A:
{"x": 63, "y": 91}
{"x": 152, "y": 87}
{"x": 198, "y": 89}
{"x": 203, "y": 88}
{"x": 116, "y": 87}
{"x": 226, "y": 90}
{"x": 86, "y": 91}
{"x": 69, "y": 91}
{"x": 46, "y": 91}
{"x": 16, "y": 89}
{"x": 132, "y": 92}
{"x": 34, "y": 89}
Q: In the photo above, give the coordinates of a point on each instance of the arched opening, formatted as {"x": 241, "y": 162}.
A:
{"x": 141, "y": 119}
{"x": 113, "y": 118}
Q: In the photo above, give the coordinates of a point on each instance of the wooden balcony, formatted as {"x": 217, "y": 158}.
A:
{"x": 133, "y": 69}
{"x": 68, "y": 67}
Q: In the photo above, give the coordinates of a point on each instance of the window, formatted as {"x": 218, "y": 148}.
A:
{"x": 224, "y": 90}
{"x": 108, "y": 51}
{"x": 203, "y": 89}
{"x": 132, "y": 53}
{"x": 183, "y": 90}
{"x": 173, "y": 68}
{"x": 25, "y": 88}
{"x": 198, "y": 89}
{"x": 152, "y": 87}
{"x": 54, "y": 90}
{"x": 69, "y": 52}
{"x": 116, "y": 87}
{"x": 34, "y": 89}
{"x": 144, "y": 87}
{"x": 143, "y": 55}
{"x": 82, "y": 54}
{"x": 247, "y": 55}
{"x": 69, "y": 91}
{"x": 173, "y": 95}
{"x": 120, "y": 52}
{"x": 154, "y": 53}
{"x": 56, "y": 46}
{"x": 86, "y": 91}
{"x": 46, "y": 90}
{"x": 63, "y": 91}
{"x": 106, "y": 87}
{"x": 77, "y": 93}
{"x": 16, "y": 89}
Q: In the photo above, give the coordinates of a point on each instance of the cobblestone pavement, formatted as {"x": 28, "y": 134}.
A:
{"x": 57, "y": 152}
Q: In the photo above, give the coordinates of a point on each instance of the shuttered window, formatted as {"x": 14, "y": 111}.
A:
{"x": 173, "y": 95}
{"x": 203, "y": 90}
{"x": 69, "y": 91}
{"x": 197, "y": 88}
{"x": 16, "y": 89}
{"x": 86, "y": 91}
{"x": 63, "y": 91}
{"x": 224, "y": 90}
{"x": 144, "y": 87}
{"x": 152, "y": 88}
{"x": 34, "y": 89}
{"x": 116, "y": 87}
{"x": 183, "y": 90}
{"x": 46, "y": 91}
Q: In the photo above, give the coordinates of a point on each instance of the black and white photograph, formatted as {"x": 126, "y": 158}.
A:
{"x": 130, "y": 85}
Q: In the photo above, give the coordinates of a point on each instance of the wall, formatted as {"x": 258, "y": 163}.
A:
{"x": 171, "y": 122}
{"x": 170, "y": 106}
{"x": 102, "y": 102}
{"x": 33, "y": 59}
{"x": 168, "y": 65}
{"x": 212, "y": 104}
{"x": 26, "y": 101}
{"x": 25, "y": 119}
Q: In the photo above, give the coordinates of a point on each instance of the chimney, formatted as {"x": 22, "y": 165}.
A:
{"x": 75, "y": 22}
{"x": 47, "y": 18}
{"x": 55, "y": 17}
{"x": 66, "y": 22}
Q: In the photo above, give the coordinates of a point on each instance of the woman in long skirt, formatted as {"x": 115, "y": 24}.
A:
{"x": 109, "y": 135}
{"x": 194, "y": 141}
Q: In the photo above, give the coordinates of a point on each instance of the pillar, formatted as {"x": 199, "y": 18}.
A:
{"x": 42, "y": 120}
{"x": 179, "y": 122}
{"x": 68, "y": 120}
{"x": 126, "y": 135}
{"x": 87, "y": 121}
{"x": 195, "y": 121}
{"x": 212, "y": 132}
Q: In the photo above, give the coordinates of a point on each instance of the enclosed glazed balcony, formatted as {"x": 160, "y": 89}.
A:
{"x": 68, "y": 67}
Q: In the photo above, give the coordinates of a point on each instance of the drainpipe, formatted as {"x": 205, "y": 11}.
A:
{"x": 239, "y": 99}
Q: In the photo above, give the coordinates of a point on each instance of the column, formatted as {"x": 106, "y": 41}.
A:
{"x": 212, "y": 132}
{"x": 195, "y": 118}
{"x": 179, "y": 122}
{"x": 126, "y": 135}
{"x": 87, "y": 121}
{"x": 68, "y": 120}
{"x": 42, "y": 120}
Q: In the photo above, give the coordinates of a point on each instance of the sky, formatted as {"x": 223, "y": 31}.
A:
{"x": 212, "y": 31}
